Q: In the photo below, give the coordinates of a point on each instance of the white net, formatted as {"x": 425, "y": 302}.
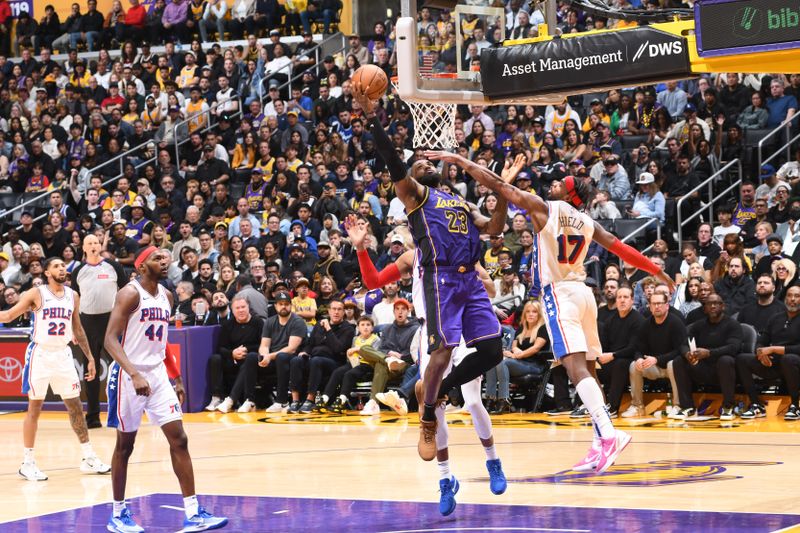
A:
{"x": 434, "y": 124}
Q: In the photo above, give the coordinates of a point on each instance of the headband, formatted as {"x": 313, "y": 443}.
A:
{"x": 143, "y": 255}
{"x": 572, "y": 193}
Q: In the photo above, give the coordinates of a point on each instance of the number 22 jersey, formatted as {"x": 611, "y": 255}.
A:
{"x": 145, "y": 337}
{"x": 559, "y": 249}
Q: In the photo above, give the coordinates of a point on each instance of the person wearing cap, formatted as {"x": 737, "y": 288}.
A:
{"x": 614, "y": 179}
{"x": 189, "y": 75}
{"x": 774, "y": 253}
{"x": 682, "y": 129}
{"x": 597, "y": 109}
{"x": 282, "y": 338}
{"x": 139, "y": 226}
{"x": 394, "y": 355}
{"x": 302, "y": 304}
{"x": 649, "y": 201}
{"x": 329, "y": 265}
{"x": 769, "y": 186}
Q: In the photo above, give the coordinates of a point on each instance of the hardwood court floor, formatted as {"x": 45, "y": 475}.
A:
{"x": 748, "y": 467}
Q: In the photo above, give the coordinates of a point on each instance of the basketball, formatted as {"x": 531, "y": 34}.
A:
{"x": 372, "y": 80}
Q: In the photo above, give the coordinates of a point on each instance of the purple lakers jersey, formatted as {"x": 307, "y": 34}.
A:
{"x": 443, "y": 230}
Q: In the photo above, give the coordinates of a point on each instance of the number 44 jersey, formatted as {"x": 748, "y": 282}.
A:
{"x": 559, "y": 249}
{"x": 145, "y": 337}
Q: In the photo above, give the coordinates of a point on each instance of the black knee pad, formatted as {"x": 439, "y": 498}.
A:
{"x": 491, "y": 351}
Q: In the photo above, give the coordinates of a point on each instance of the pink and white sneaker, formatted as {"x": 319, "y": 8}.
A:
{"x": 590, "y": 461}
{"x": 612, "y": 447}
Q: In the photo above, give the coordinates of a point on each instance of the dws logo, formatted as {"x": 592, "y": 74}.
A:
{"x": 646, "y": 49}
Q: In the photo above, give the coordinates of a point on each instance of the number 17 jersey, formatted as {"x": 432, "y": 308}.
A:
{"x": 559, "y": 249}
{"x": 145, "y": 337}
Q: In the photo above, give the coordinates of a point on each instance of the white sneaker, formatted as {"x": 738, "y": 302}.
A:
{"x": 215, "y": 401}
{"x": 372, "y": 408}
{"x": 276, "y": 407}
{"x": 225, "y": 406}
{"x": 31, "y": 472}
{"x": 392, "y": 400}
{"x": 246, "y": 407}
{"x": 633, "y": 412}
{"x": 93, "y": 465}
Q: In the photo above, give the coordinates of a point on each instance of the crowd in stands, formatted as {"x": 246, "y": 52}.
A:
{"x": 252, "y": 204}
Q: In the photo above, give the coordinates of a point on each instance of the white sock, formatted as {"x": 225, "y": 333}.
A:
{"x": 343, "y": 398}
{"x": 28, "y": 456}
{"x": 592, "y": 398}
{"x": 190, "y": 506}
{"x": 491, "y": 453}
{"x": 325, "y": 398}
{"x": 444, "y": 469}
{"x": 118, "y": 508}
{"x": 86, "y": 450}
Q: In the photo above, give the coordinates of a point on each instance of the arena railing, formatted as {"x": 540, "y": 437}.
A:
{"x": 209, "y": 124}
{"x": 262, "y": 92}
{"x": 708, "y": 182}
{"x": 94, "y": 170}
{"x": 786, "y": 126}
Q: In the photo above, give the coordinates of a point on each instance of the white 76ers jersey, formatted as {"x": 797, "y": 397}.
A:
{"x": 52, "y": 322}
{"x": 145, "y": 337}
{"x": 559, "y": 249}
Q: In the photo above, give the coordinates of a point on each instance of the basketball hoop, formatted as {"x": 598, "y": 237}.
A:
{"x": 434, "y": 123}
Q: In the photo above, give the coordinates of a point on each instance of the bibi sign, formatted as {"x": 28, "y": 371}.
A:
{"x": 638, "y": 55}
{"x": 728, "y": 27}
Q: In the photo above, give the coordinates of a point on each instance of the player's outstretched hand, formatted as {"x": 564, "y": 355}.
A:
{"x": 510, "y": 170}
{"x": 141, "y": 385}
{"x": 90, "y": 369}
{"x": 356, "y": 231}
{"x": 439, "y": 155}
{"x": 360, "y": 95}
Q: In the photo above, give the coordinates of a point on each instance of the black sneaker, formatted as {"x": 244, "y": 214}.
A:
{"x": 683, "y": 414}
{"x": 612, "y": 413}
{"x": 307, "y": 407}
{"x": 559, "y": 411}
{"x": 319, "y": 405}
{"x": 294, "y": 408}
{"x": 93, "y": 422}
{"x": 726, "y": 413}
{"x": 756, "y": 410}
{"x": 501, "y": 407}
{"x": 792, "y": 414}
{"x": 579, "y": 412}
{"x": 338, "y": 406}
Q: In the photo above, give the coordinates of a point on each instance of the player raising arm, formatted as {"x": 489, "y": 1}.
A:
{"x": 559, "y": 250}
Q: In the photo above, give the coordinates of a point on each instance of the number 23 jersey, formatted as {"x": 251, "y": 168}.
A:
{"x": 559, "y": 249}
{"x": 145, "y": 337}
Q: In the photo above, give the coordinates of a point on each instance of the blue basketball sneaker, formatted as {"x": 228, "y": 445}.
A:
{"x": 449, "y": 489}
{"x": 203, "y": 521}
{"x": 497, "y": 479}
{"x": 123, "y": 523}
